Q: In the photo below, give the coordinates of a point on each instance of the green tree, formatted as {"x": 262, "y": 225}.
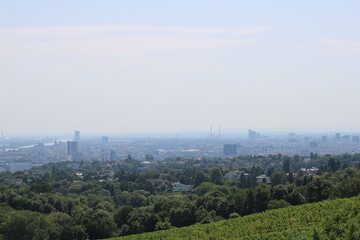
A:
{"x": 274, "y": 204}
{"x": 101, "y": 225}
{"x": 269, "y": 171}
{"x": 278, "y": 178}
{"x": 250, "y": 202}
{"x": 262, "y": 197}
{"x": 183, "y": 216}
{"x": 16, "y": 225}
{"x": 64, "y": 227}
{"x": 162, "y": 226}
{"x": 290, "y": 177}
{"x": 286, "y": 165}
{"x": 333, "y": 165}
{"x": 122, "y": 214}
{"x": 200, "y": 177}
{"x": 216, "y": 176}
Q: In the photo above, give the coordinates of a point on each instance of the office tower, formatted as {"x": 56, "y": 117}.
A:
{"x": 337, "y": 137}
{"x": 61, "y": 153}
{"x": 230, "y": 149}
{"x": 72, "y": 148}
{"x": 104, "y": 140}
{"x": 77, "y": 136}
{"x": 356, "y": 139}
{"x": 252, "y": 134}
{"x": 324, "y": 139}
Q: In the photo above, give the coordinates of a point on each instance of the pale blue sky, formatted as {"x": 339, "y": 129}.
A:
{"x": 149, "y": 66}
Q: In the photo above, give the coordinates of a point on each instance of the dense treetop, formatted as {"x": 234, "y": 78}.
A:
{"x": 92, "y": 200}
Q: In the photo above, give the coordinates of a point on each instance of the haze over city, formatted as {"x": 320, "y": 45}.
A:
{"x": 160, "y": 66}
{"x": 172, "y": 120}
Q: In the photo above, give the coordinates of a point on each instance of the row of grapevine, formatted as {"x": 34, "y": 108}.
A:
{"x": 337, "y": 219}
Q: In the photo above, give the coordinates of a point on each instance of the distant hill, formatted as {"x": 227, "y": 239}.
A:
{"x": 333, "y": 219}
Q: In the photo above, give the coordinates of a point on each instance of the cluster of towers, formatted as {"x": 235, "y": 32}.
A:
{"x": 214, "y": 135}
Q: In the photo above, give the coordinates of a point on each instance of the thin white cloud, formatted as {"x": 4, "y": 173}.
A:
{"x": 336, "y": 47}
{"x": 113, "y": 47}
{"x": 115, "y": 41}
{"x": 75, "y": 32}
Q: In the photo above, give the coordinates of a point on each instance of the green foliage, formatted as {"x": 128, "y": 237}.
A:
{"x": 122, "y": 214}
{"x": 16, "y": 225}
{"x": 286, "y": 165}
{"x": 278, "y": 178}
{"x": 234, "y": 215}
{"x": 60, "y": 205}
{"x": 27, "y": 225}
{"x": 201, "y": 177}
{"x": 274, "y": 204}
{"x": 216, "y": 176}
{"x": 336, "y": 219}
{"x": 162, "y": 226}
{"x": 101, "y": 225}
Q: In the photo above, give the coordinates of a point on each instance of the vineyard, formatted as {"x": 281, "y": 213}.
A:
{"x": 333, "y": 219}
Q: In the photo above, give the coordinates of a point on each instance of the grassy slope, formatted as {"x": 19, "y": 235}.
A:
{"x": 288, "y": 223}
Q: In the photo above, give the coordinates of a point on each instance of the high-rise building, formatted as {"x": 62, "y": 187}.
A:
{"x": 337, "y": 137}
{"x": 77, "y": 136}
{"x": 253, "y": 135}
{"x": 356, "y": 139}
{"x": 72, "y": 148}
{"x": 61, "y": 153}
{"x": 104, "y": 140}
{"x": 324, "y": 139}
{"x": 230, "y": 149}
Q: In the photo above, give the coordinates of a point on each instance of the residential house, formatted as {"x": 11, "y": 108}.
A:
{"x": 179, "y": 187}
{"x": 262, "y": 179}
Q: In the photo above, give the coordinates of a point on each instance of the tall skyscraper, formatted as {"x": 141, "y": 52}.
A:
{"x": 253, "y": 135}
{"x": 337, "y": 137}
{"x": 77, "y": 136}
{"x": 72, "y": 148}
{"x": 61, "y": 153}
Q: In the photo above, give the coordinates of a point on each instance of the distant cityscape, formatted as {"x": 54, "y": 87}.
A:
{"x": 23, "y": 153}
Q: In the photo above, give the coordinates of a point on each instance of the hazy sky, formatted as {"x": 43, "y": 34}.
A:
{"x": 116, "y": 66}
